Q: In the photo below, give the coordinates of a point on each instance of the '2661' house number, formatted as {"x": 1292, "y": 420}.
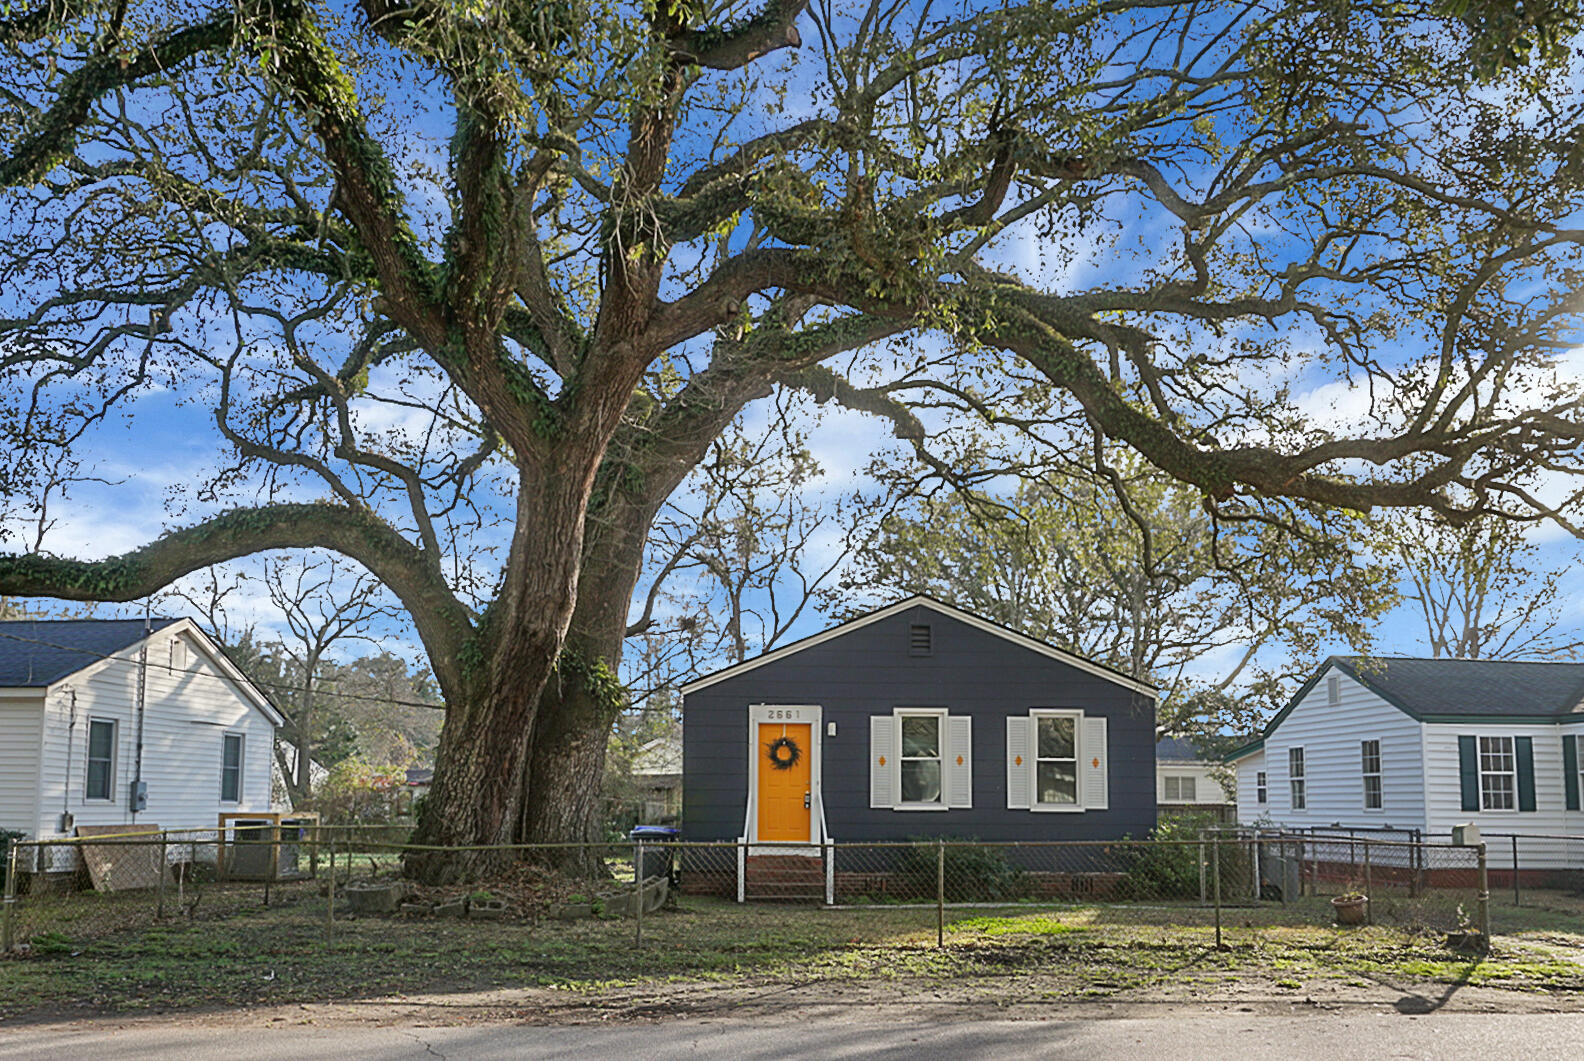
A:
{"x": 784, "y": 712}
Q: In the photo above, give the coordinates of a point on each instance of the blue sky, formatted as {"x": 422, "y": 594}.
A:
{"x": 163, "y": 446}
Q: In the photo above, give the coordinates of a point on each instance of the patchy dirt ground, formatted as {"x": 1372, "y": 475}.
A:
{"x": 784, "y": 964}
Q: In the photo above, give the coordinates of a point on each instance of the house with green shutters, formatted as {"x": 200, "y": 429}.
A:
{"x": 1426, "y": 744}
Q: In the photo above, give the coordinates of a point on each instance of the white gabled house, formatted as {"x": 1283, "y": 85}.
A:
{"x": 76, "y": 696}
{"x": 1187, "y": 782}
{"x": 1425, "y": 744}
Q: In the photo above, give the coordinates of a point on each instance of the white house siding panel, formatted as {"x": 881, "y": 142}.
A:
{"x": 1249, "y": 808}
{"x": 20, "y": 720}
{"x": 1330, "y": 735}
{"x": 187, "y": 712}
{"x": 1207, "y": 789}
{"x": 1549, "y": 818}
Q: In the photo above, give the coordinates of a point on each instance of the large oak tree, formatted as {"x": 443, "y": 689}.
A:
{"x": 467, "y": 289}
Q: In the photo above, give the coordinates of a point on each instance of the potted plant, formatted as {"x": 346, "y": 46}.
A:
{"x": 1351, "y": 907}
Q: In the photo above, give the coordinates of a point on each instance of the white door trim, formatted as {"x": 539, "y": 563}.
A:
{"x": 796, "y": 714}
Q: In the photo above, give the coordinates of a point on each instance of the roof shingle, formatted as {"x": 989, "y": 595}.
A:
{"x": 39, "y": 652}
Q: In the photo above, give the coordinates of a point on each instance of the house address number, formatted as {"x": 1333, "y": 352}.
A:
{"x": 784, "y": 712}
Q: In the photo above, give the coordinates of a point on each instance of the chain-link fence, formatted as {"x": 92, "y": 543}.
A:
{"x": 63, "y": 894}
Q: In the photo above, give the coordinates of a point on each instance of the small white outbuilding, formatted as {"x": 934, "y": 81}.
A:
{"x": 121, "y": 722}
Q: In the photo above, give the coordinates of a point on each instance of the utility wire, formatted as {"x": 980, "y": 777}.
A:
{"x": 272, "y": 686}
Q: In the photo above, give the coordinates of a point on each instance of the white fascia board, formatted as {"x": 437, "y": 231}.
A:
{"x": 249, "y": 691}
{"x": 1021, "y": 640}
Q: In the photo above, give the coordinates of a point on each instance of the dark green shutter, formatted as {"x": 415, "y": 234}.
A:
{"x": 1524, "y": 746}
{"x": 1468, "y": 768}
{"x": 1570, "y": 770}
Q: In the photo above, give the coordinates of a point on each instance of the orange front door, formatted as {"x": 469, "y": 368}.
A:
{"x": 786, "y": 760}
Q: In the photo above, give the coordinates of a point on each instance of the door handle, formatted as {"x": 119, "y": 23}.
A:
{"x": 806, "y": 800}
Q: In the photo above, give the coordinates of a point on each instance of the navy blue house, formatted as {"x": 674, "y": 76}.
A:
{"x": 917, "y": 720}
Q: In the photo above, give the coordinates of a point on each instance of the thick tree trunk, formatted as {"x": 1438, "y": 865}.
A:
{"x": 567, "y": 765}
{"x": 481, "y": 765}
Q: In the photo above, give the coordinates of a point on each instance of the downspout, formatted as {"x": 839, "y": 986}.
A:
{"x": 71, "y": 741}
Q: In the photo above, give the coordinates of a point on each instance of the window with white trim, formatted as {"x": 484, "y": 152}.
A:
{"x": 1370, "y": 768}
{"x": 1498, "y": 773}
{"x": 1261, "y": 792}
{"x": 231, "y": 768}
{"x": 100, "y": 780}
{"x": 1055, "y": 759}
{"x": 920, "y": 758}
{"x": 1295, "y": 776}
{"x": 1180, "y": 788}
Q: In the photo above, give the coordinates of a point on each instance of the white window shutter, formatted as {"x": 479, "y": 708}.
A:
{"x": 1020, "y": 771}
{"x": 1094, "y": 772}
{"x": 882, "y": 768}
{"x": 959, "y": 761}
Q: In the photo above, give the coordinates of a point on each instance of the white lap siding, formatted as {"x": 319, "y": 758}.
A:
{"x": 21, "y": 716}
{"x": 187, "y": 712}
{"x": 1249, "y": 808}
{"x": 1550, "y": 816}
{"x": 1331, "y": 737}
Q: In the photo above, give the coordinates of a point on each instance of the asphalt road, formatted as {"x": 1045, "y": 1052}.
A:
{"x": 1331, "y": 1037}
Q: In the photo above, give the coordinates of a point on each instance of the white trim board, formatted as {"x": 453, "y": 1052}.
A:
{"x": 244, "y": 687}
{"x": 1021, "y": 640}
{"x": 811, "y": 715}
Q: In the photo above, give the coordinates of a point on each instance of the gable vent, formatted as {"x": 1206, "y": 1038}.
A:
{"x": 919, "y": 643}
{"x": 1334, "y": 690}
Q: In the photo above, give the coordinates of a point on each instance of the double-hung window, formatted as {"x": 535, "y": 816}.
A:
{"x": 920, "y": 762}
{"x": 231, "y": 768}
{"x": 101, "y": 759}
{"x": 1180, "y": 788}
{"x": 1295, "y": 776}
{"x": 1261, "y": 792}
{"x": 1056, "y": 760}
{"x": 1370, "y": 766}
{"x": 1498, "y": 773}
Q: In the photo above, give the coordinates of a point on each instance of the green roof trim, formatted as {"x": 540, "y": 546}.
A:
{"x": 1567, "y": 692}
{"x": 1244, "y": 751}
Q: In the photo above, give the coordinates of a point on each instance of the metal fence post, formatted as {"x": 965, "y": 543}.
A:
{"x": 330, "y": 893}
{"x": 1202, "y": 896}
{"x": 638, "y": 892}
{"x": 1516, "y": 897}
{"x": 7, "y": 927}
{"x": 940, "y": 893}
{"x": 1369, "y": 893}
{"x": 1484, "y": 897}
{"x": 164, "y": 867}
{"x": 1215, "y": 873}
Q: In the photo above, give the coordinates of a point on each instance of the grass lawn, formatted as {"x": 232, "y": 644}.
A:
{"x": 282, "y": 955}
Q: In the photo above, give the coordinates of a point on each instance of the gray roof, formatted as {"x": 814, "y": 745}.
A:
{"x": 38, "y": 652}
{"x": 1458, "y": 689}
{"x": 1180, "y": 748}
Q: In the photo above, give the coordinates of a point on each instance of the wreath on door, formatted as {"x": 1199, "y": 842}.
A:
{"x": 784, "y": 753}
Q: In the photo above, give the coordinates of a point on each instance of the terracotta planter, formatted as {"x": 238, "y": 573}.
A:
{"x": 1350, "y": 911}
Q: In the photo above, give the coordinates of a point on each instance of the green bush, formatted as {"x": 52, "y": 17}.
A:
{"x": 973, "y": 874}
{"x": 1169, "y": 870}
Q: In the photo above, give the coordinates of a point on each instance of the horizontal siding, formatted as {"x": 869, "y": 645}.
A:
{"x": 869, "y": 672}
{"x": 1330, "y": 735}
{"x": 20, "y": 719}
{"x": 186, "y": 714}
{"x": 1249, "y": 808}
{"x": 1207, "y": 787}
{"x": 1550, "y": 815}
